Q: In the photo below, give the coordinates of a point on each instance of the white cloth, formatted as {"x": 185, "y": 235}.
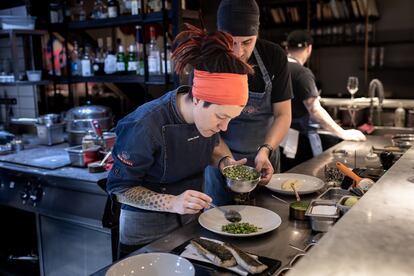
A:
{"x": 290, "y": 143}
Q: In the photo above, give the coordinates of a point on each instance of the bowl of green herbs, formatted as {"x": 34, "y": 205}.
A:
{"x": 241, "y": 178}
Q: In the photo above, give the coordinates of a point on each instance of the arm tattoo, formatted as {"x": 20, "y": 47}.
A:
{"x": 143, "y": 198}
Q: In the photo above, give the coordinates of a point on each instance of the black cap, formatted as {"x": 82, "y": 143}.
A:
{"x": 238, "y": 17}
{"x": 299, "y": 39}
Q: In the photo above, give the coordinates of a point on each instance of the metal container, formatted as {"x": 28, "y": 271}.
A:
{"x": 109, "y": 139}
{"x": 82, "y": 157}
{"x": 242, "y": 186}
{"x": 50, "y": 134}
{"x": 403, "y": 140}
{"x": 47, "y": 119}
{"x": 334, "y": 194}
{"x": 319, "y": 222}
{"x": 296, "y": 211}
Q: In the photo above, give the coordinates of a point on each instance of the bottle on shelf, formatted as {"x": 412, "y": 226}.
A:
{"x": 120, "y": 58}
{"x": 132, "y": 63}
{"x": 100, "y": 10}
{"x": 80, "y": 11}
{"x": 399, "y": 116}
{"x": 74, "y": 60}
{"x": 140, "y": 52}
{"x": 135, "y": 7}
{"x": 110, "y": 58}
{"x": 113, "y": 8}
{"x": 86, "y": 63}
{"x": 169, "y": 61}
{"x": 154, "y": 59}
{"x": 154, "y": 5}
{"x": 99, "y": 62}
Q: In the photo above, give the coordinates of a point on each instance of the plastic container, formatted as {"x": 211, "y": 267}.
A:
{"x": 34, "y": 75}
{"x": 399, "y": 116}
{"x": 9, "y": 22}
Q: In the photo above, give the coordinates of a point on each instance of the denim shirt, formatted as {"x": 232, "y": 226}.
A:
{"x": 140, "y": 150}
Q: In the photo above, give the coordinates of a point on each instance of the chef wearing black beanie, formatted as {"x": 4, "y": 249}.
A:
{"x": 254, "y": 136}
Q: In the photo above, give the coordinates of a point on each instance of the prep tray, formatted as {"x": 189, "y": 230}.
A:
{"x": 207, "y": 269}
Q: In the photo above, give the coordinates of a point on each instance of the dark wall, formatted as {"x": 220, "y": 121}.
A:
{"x": 333, "y": 65}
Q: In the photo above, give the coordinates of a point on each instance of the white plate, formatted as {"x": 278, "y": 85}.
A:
{"x": 310, "y": 184}
{"x": 214, "y": 219}
{"x": 154, "y": 264}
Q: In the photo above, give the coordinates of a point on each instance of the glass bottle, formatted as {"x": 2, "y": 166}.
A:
{"x": 110, "y": 58}
{"x": 135, "y": 7}
{"x": 132, "y": 59}
{"x": 81, "y": 12}
{"x": 120, "y": 58}
{"x": 86, "y": 64}
{"x": 74, "y": 59}
{"x": 169, "y": 61}
{"x": 99, "y": 62}
{"x": 100, "y": 10}
{"x": 153, "y": 54}
{"x": 113, "y": 8}
{"x": 140, "y": 52}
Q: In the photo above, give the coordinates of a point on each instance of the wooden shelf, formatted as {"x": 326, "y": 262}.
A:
{"x": 387, "y": 68}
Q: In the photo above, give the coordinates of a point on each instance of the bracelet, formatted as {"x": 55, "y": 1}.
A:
{"x": 269, "y": 147}
{"x": 221, "y": 160}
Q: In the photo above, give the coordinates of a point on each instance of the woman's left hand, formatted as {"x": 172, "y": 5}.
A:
{"x": 264, "y": 166}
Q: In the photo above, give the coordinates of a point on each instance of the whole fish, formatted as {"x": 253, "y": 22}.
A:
{"x": 252, "y": 265}
{"x": 215, "y": 252}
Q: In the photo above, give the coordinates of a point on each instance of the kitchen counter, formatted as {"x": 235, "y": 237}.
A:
{"x": 365, "y": 102}
{"x": 276, "y": 243}
{"x": 376, "y": 237}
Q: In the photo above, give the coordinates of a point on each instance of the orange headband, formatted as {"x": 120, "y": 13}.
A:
{"x": 221, "y": 88}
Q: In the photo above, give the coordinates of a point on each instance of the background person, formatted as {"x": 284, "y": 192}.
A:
{"x": 257, "y": 132}
{"x": 303, "y": 142}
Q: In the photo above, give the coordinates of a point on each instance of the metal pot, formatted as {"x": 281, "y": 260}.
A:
{"x": 78, "y": 121}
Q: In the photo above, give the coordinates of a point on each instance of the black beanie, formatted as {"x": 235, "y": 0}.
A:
{"x": 238, "y": 17}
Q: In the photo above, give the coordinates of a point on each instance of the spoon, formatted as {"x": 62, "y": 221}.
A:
{"x": 230, "y": 215}
{"x": 296, "y": 192}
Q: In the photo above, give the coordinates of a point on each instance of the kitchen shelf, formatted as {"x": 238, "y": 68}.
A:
{"x": 159, "y": 79}
{"x": 112, "y": 22}
{"x": 4, "y": 33}
{"x": 190, "y": 14}
{"x": 25, "y": 83}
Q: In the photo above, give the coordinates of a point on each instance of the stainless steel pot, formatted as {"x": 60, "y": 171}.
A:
{"x": 80, "y": 118}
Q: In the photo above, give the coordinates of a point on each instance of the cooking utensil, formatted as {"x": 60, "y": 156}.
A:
{"x": 281, "y": 200}
{"x": 97, "y": 167}
{"x": 230, "y": 214}
{"x": 242, "y": 186}
{"x": 298, "y": 208}
{"x": 363, "y": 183}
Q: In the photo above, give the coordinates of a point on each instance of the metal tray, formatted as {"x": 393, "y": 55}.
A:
{"x": 334, "y": 194}
{"x": 322, "y": 223}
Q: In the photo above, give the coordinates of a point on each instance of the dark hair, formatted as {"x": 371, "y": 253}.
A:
{"x": 299, "y": 39}
{"x": 210, "y": 52}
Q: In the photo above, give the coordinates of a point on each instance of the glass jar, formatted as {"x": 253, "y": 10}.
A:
{"x": 333, "y": 176}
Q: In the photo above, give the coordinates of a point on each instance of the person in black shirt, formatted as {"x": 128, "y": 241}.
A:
{"x": 254, "y": 136}
{"x": 306, "y": 108}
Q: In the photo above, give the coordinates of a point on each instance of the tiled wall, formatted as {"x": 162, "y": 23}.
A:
{"x": 25, "y": 95}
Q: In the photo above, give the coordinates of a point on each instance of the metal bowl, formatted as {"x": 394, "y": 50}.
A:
{"x": 240, "y": 185}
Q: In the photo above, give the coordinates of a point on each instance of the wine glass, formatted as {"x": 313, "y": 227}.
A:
{"x": 352, "y": 86}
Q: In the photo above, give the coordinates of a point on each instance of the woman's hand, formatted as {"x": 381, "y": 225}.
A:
{"x": 264, "y": 166}
{"x": 190, "y": 202}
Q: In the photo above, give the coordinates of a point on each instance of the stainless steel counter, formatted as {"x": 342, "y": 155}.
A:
{"x": 275, "y": 244}
{"x": 365, "y": 102}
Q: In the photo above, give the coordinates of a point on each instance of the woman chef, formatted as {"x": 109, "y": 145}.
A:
{"x": 164, "y": 145}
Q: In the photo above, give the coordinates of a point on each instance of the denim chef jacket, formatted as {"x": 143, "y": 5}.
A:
{"x": 157, "y": 149}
